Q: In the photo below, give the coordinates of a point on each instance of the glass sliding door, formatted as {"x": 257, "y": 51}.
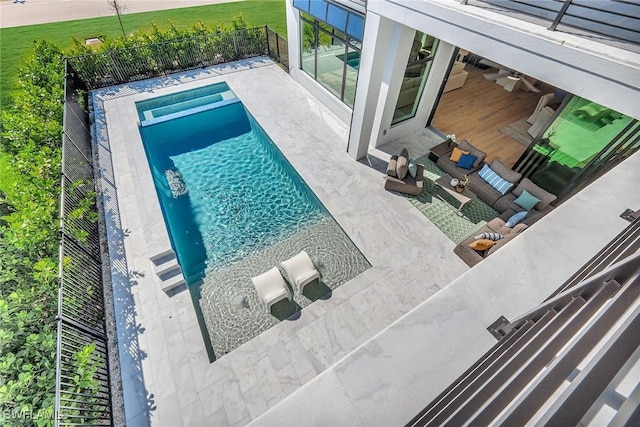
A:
{"x": 415, "y": 76}
{"x": 585, "y": 140}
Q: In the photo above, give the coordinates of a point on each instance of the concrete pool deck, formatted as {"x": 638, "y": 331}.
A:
{"x": 386, "y": 342}
{"x": 167, "y": 376}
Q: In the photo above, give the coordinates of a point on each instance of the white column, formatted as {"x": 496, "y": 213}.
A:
{"x": 401, "y": 43}
{"x": 435, "y": 79}
{"x": 293, "y": 35}
{"x": 385, "y": 51}
{"x": 376, "y": 46}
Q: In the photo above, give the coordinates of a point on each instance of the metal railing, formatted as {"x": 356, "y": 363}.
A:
{"x": 118, "y": 66}
{"x": 558, "y": 363}
{"x": 83, "y": 386}
{"x": 617, "y": 20}
{"x": 277, "y": 47}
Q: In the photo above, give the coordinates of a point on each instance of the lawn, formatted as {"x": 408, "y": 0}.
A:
{"x": 17, "y": 43}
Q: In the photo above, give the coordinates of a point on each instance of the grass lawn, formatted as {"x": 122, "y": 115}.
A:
{"x": 17, "y": 43}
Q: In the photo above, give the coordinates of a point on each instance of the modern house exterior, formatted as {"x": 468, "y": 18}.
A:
{"x": 385, "y": 67}
{"x": 401, "y": 342}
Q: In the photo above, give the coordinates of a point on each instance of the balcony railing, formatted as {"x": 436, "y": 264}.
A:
{"x": 616, "y": 20}
{"x": 559, "y": 363}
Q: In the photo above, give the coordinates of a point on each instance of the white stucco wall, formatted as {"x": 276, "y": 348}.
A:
{"x": 379, "y": 34}
{"x": 605, "y": 74}
{"x": 394, "y": 65}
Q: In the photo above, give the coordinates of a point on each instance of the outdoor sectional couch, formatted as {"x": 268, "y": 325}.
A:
{"x": 497, "y": 225}
{"x": 504, "y": 204}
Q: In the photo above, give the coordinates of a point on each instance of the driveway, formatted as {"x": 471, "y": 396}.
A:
{"x": 42, "y": 11}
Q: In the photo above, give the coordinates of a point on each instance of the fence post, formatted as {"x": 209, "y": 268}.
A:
{"x": 266, "y": 31}
{"x": 563, "y": 10}
{"x": 235, "y": 45}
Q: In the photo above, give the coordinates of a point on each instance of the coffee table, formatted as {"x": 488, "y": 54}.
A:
{"x": 465, "y": 197}
{"x": 440, "y": 150}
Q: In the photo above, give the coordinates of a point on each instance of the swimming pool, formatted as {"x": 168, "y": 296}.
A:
{"x": 234, "y": 207}
{"x": 353, "y": 59}
{"x": 224, "y": 188}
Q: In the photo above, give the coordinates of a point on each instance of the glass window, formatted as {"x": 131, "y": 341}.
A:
{"x": 331, "y": 57}
{"x": 415, "y": 76}
{"x": 351, "y": 76}
{"x": 337, "y": 17}
{"x": 308, "y": 56}
{"x": 582, "y": 133}
{"x": 581, "y": 130}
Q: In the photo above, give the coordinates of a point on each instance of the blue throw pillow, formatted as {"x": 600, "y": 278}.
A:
{"x": 526, "y": 200}
{"x": 413, "y": 168}
{"x": 466, "y": 161}
{"x": 495, "y": 180}
{"x": 516, "y": 218}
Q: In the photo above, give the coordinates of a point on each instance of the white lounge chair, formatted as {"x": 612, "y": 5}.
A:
{"x": 543, "y": 102}
{"x": 271, "y": 287}
{"x": 300, "y": 270}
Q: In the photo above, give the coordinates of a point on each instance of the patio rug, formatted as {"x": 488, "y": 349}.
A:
{"x": 442, "y": 214}
{"x": 518, "y": 131}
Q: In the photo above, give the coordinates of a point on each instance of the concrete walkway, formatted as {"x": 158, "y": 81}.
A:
{"x": 43, "y": 11}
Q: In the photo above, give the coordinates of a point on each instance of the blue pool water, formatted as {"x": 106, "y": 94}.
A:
{"x": 353, "y": 59}
{"x": 225, "y": 189}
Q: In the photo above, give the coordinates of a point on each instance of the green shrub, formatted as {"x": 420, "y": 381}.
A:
{"x": 141, "y": 55}
{"x": 29, "y": 192}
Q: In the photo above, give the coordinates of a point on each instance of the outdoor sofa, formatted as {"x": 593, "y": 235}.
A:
{"x": 508, "y": 202}
{"x": 497, "y": 225}
{"x": 503, "y": 203}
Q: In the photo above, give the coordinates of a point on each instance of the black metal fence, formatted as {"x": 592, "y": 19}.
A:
{"x": 83, "y": 386}
{"x": 142, "y": 62}
{"x": 277, "y": 47}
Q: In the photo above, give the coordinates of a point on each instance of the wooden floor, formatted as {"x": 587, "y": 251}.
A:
{"x": 478, "y": 109}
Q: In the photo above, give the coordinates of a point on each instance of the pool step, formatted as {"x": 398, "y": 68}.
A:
{"x": 166, "y": 267}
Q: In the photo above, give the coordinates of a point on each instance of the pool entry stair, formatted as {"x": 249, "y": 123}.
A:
{"x": 166, "y": 267}
{"x": 169, "y": 107}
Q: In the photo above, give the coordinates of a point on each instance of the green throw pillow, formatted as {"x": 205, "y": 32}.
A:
{"x": 413, "y": 168}
{"x": 526, "y": 200}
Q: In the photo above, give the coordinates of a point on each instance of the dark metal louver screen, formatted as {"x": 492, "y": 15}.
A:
{"x": 83, "y": 386}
